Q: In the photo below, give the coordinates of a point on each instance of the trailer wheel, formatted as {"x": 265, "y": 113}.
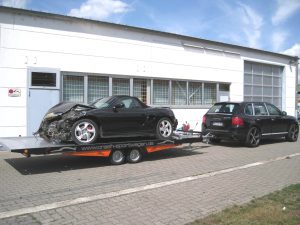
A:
{"x": 164, "y": 129}
{"x": 134, "y": 156}
{"x": 117, "y": 157}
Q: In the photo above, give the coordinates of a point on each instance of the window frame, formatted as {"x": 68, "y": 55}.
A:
{"x": 150, "y": 82}
{"x": 167, "y": 93}
{"x": 268, "y": 73}
{"x": 84, "y": 86}
{"x": 260, "y": 103}
{"x": 89, "y": 76}
{"x": 174, "y": 92}
{"x": 117, "y": 79}
{"x": 251, "y": 107}
{"x": 273, "y": 106}
{"x": 43, "y": 70}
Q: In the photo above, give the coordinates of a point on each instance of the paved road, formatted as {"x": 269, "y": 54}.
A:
{"x": 171, "y": 187}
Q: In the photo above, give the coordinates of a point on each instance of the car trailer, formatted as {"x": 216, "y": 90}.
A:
{"x": 118, "y": 152}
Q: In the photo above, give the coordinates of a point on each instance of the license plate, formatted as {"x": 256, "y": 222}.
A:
{"x": 218, "y": 124}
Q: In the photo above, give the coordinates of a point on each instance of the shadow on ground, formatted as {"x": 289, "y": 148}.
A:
{"x": 60, "y": 163}
{"x": 236, "y": 144}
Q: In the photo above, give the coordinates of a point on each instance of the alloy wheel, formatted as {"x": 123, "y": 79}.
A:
{"x": 294, "y": 132}
{"x": 254, "y": 136}
{"x": 85, "y": 132}
{"x": 165, "y": 128}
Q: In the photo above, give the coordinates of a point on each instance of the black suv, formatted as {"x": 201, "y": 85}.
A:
{"x": 248, "y": 122}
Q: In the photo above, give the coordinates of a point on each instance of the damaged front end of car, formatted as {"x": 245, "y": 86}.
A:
{"x": 58, "y": 121}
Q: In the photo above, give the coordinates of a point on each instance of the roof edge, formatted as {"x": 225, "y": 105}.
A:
{"x": 147, "y": 30}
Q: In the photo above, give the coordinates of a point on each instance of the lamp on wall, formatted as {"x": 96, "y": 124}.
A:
{"x": 293, "y": 63}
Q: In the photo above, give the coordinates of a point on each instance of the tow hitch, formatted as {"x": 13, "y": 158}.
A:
{"x": 26, "y": 153}
{"x": 207, "y": 137}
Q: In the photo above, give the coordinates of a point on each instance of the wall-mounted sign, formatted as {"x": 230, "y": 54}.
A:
{"x": 14, "y": 92}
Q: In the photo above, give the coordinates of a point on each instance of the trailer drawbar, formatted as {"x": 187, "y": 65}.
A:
{"x": 129, "y": 150}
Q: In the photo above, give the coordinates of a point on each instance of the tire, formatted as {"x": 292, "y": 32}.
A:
{"x": 84, "y": 132}
{"x": 134, "y": 156}
{"x": 253, "y": 137}
{"x": 164, "y": 129}
{"x": 293, "y": 133}
{"x": 117, "y": 157}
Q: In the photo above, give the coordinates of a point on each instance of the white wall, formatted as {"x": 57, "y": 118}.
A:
{"x": 290, "y": 89}
{"x": 80, "y": 46}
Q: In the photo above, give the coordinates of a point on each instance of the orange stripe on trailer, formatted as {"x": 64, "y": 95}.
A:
{"x": 159, "y": 147}
{"x": 103, "y": 153}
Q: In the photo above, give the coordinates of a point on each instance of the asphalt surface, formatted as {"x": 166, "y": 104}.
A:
{"x": 169, "y": 187}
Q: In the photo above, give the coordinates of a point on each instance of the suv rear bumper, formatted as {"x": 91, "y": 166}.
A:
{"x": 238, "y": 133}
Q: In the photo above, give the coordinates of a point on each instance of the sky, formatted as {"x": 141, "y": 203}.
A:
{"x": 271, "y": 25}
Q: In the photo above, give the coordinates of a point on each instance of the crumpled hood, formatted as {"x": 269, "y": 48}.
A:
{"x": 63, "y": 107}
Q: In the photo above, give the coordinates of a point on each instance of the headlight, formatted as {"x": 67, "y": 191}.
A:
{"x": 51, "y": 115}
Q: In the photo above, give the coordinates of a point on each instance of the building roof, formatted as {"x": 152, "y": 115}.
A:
{"x": 293, "y": 59}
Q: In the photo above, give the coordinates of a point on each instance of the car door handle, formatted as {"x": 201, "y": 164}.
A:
{"x": 257, "y": 119}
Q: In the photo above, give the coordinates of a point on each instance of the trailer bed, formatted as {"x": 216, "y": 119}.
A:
{"x": 34, "y": 144}
{"x": 38, "y": 146}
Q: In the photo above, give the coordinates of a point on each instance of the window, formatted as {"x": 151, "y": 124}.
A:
{"x": 161, "y": 92}
{"x": 210, "y": 94}
{"x": 260, "y": 109}
{"x": 263, "y": 82}
{"x": 130, "y": 103}
{"x": 140, "y": 89}
{"x": 273, "y": 111}
{"x": 120, "y": 86}
{"x": 179, "y": 93}
{"x": 102, "y": 103}
{"x": 228, "y": 108}
{"x": 224, "y": 87}
{"x": 97, "y": 88}
{"x": 195, "y": 93}
{"x": 40, "y": 79}
{"x": 73, "y": 88}
{"x": 86, "y": 88}
{"x": 249, "y": 110}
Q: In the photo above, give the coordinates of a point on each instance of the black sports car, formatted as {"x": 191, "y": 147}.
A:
{"x": 248, "y": 122}
{"x": 116, "y": 116}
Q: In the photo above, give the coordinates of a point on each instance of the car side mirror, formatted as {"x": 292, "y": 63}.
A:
{"x": 283, "y": 113}
{"x": 118, "y": 106}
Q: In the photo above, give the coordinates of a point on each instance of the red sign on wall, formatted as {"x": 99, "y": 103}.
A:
{"x": 14, "y": 92}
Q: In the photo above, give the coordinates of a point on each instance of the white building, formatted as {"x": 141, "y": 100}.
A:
{"x": 47, "y": 58}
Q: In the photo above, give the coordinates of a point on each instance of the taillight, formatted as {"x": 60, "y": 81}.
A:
{"x": 204, "y": 119}
{"x": 237, "y": 121}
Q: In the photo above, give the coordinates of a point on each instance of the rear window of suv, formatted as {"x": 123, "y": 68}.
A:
{"x": 230, "y": 108}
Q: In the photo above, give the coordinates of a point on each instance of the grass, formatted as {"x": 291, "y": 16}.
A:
{"x": 278, "y": 208}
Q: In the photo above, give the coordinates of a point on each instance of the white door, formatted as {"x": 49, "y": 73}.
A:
{"x": 39, "y": 102}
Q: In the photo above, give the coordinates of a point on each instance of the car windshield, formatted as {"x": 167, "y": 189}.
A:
{"x": 229, "y": 108}
{"x": 102, "y": 103}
